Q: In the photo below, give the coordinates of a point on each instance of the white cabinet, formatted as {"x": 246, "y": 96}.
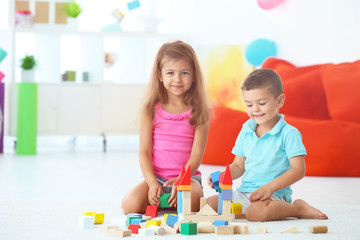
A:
{"x": 88, "y": 109}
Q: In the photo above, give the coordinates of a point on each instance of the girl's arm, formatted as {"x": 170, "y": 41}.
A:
{"x": 294, "y": 174}
{"x": 145, "y": 159}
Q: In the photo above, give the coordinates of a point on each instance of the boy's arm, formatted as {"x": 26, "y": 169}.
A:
{"x": 237, "y": 168}
{"x": 294, "y": 174}
{"x": 145, "y": 160}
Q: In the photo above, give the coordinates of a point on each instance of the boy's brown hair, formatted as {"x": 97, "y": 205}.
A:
{"x": 264, "y": 78}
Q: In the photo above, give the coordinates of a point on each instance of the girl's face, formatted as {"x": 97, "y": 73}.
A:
{"x": 177, "y": 76}
{"x": 262, "y": 107}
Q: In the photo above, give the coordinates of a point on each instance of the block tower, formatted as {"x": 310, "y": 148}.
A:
{"x": 225, "y": 192}
{"x": 184, "y": 191}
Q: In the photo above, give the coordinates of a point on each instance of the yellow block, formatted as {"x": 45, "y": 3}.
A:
{"x": 99, "y": 218}
{"x": 184, "y": 188}
{"x": 153, "y": 222}
{"x": 88, "y": 213}
{"x": 225, "y": 186}
{"x": 236, "y": 208}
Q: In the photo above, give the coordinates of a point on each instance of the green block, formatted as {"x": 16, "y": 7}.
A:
{"x": 26, "y": 118}
{"x": 188, "y": 228}
{"x": 164, "y": 200}
{"x": 129, "y": 218}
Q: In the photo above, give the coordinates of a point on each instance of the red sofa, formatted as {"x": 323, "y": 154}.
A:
{"x": 322, "y": 101}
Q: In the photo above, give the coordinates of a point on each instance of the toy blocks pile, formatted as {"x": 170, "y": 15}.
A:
{"x": 207, "y": 220}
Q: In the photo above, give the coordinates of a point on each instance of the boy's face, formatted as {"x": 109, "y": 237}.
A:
{"x": 262, "y": 107}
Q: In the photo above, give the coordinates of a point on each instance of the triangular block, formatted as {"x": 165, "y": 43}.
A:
{"x": 226, "y": 179}
{"x": 186, "y": 180}
{"x": 207, "y": 211}
{"x": 181, "y": 176}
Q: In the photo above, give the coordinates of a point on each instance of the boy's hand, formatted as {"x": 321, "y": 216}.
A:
{"x": 154, "y": 193}
{"x": 173, "y": 197}
{"x": 210, "y": 183}
{"x": 262, "y": 193}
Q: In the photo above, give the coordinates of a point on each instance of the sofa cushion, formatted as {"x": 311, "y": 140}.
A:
{"x": 342, "y": 84}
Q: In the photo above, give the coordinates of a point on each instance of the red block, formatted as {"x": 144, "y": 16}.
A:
{"x": 151, "y": 211}
{"x": 134, "y": 228}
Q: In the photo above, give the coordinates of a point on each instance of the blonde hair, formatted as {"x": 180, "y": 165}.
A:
{"x": 195, "y": 97}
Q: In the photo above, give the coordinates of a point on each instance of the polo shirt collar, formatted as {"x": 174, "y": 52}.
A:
{"x": 250, "y": 125}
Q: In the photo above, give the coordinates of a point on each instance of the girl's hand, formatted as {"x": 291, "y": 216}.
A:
{"x": 173, "y": 197}
{"x": 154, "y": 193}
{"x": 210, "y": 183}
{"x": 262, "y": 193}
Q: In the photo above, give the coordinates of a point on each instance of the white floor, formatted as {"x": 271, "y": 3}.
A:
{"x": 73, "y": 179}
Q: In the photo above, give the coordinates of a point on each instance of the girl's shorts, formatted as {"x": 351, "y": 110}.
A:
{"x": 167, "y": 189}
{"x": 243, "y": 198}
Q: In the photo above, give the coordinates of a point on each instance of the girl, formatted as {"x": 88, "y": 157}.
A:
{"x": 174, "y": 128}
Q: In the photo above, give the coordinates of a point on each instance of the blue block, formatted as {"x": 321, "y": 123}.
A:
{"x": 137, "y": 221}
{"x": 171, "y": 220}
{"x": 215, "y": 179}
{"x": 220, "y": 223}
{"x": 179, "y": 202}
{"x": 220, "y": 203}
{"x": 134, "y": 4}
{"x": 226, "y": 194}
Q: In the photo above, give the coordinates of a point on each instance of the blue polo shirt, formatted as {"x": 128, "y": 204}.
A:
{"x": 267, "y": 157}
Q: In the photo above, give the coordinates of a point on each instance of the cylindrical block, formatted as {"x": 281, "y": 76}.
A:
{"x": 26, "y": 119}
{"x": 318, "y": 229}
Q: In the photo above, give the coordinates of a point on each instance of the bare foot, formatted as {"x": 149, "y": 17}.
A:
{"x": 309, "y": 212}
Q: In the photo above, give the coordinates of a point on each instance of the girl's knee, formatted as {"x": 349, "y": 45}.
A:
{"x": 131, "y": 206}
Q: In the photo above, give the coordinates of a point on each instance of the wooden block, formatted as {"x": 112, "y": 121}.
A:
{"x": 292, "y": 229}
{"x": 134, "y": 228}
{"x": 206, "y": 227}
{"x": 99, "y": 218}
{"x": 41, "y": 12}
{"x": 153, "y": 222}
{"x": 186, "y": 202}
{"x": 86, "y": 222}
{"x": 164, "y": 200}
{"x": 200, "y": 218}
{"x": 226, "y": 209}
{"x": 146, "y": 218}
{"x": 224, "y": 230}
{"x": 177, "y": 225}
{"x": 143, "y": 225}
{"x": 188, "y": 228}
{"x": 240, "y": 216}
{"x": 207, "y": 211}
{"x": 171, "y": 220}
{"x": 262, "y": 229}
{"x": 158, "y": 229}
{"x": 151, "y": 211}
{"x": 119, "y": 233}
{"x": 106, "y": 228}
{"x": 184, "y": 188}
{"x": 225, "y": 186}
{"x": 236, "y": 208}
{"x": 203, "y": 202}
{"x": 146, "y": 232}
{"x": 60, "y": 15}
{"x": 240, "y": 227}
{"x": 318, "y": 229}
{"x": 168, "y": 229}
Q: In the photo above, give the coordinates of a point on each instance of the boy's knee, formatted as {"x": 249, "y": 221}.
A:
{"x": 256, "y": 213}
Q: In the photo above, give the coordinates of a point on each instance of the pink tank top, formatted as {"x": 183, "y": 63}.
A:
{"x": 173, "y": 137}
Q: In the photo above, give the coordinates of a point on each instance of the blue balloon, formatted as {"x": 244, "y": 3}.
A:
{"x": 258, "y": 50}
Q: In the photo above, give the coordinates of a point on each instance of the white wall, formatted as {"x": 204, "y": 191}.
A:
{"x": 305, "y": 31}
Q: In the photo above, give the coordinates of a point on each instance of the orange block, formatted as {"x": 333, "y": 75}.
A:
{"x": 225, "y": 186}
{"x": 184, "y": 188}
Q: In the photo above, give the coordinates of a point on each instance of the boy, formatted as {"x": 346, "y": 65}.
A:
{"x": 269, "y": 155}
